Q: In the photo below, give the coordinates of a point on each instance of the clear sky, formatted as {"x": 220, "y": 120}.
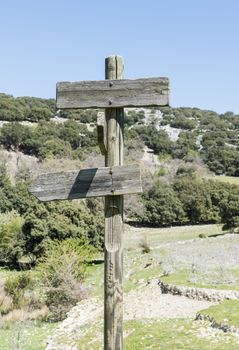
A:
{"x": 193, "y": 42}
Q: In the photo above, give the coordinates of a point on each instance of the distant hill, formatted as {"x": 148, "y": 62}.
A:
{"x": 186, "y": 134}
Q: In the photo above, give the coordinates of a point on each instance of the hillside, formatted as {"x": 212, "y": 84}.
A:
{"x": 188, "y": 134}
{"x": 189, "y": 164}
{"x": 179, "y": 149}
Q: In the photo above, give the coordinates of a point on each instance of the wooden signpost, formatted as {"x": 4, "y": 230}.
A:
{"x": 112, "y": 181}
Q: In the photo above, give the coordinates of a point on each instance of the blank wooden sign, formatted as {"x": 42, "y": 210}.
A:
{"x": 86, "y": 183}
{"x": 113, "y": 93}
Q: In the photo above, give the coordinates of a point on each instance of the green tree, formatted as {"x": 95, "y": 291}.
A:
{"x": 194, "y": 194}
{"x": 162, "y": 207}
{"x": 11, "y": 238}
{"x": 13, "y": 135}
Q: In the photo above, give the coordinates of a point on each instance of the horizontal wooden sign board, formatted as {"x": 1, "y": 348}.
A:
{"x": 87, "y": 183}
{"x": 113, "y": 93}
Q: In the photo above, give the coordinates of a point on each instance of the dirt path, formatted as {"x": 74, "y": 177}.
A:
{"x": 148, "y": 302}
{"x": 144, "y": 303}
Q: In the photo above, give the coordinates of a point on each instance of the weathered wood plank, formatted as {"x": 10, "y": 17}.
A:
{"x": 113, "y": 93}
{"x": 87, "y": 183}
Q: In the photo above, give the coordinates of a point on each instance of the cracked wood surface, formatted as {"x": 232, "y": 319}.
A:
{"x": 113, "y": 93}
{"x": 85, "y": 183}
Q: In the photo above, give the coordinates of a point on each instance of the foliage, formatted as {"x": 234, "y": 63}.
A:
{"x": 13, "y": 135}
{"x": 230, "y": 209}
{"x": 16, "y": 285}
{"x": 193, "y": 200}
{"x": 159, "y": 141}
{"x": 62, "y": 269}
{"x": 40, "y": 222}
{"x": 25, "y": 108}
{"x": 162, "y": 206}
{"x": 212, "y": 136}
{"x": 55, "y": 148}
{"x": 59, "y": 221}
{"x": 133, "y": 117}
{"x": 219, "y": 135}
{"x": 83, "y": 115}
{"x": 60, "y": 258}
{"x": 194, "y": 194}
{"x": 48, "y": 139}
{"x": 181, "y": 122}
{"x": 11, "y": 238}
{"x": 185, "y": 145}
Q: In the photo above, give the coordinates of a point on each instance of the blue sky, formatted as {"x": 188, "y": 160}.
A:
{"x": 194, "y": 43}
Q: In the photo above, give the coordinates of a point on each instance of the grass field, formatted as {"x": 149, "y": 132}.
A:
{"x": 157, "y": 236}
{"x": 25, "y": 335}
{"x": 179, "y": 334}
{"x": 228, "y": 179}
{"x": 177, "y": 256}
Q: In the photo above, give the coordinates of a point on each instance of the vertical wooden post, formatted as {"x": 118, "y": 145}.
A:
{"x": 113, "y": 316}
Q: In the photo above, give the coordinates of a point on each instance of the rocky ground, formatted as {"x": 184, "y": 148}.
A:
{"x": 145, "y": 303}
{"x": 150, "y": 299}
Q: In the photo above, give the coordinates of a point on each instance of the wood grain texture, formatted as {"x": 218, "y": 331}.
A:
{"x": 113, "y": 317}
{"x": 101, "y": 132}
{"x": 87, "y": 183}
{"x": 113, "y": 93}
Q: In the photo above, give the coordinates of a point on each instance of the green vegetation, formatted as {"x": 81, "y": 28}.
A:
{"x": 228, "y": 179}
{"x": 57, "y": 241}
{"x": 30, "y": 335}
{"x": 15, "y": 287}
{"x": 61, "y": 271}
{"x": 187, "y": 277}
{"x": 48, "y": 139}
{"x": 156, "y": 236}
{"x": 175, "y": 334}
{"x": 11, "y": 237}
{"x": 225, "y": 313}
{"x": 152, "y": 334}
{"x": 204, "y": 134}
{"x": 39, "y": 223}
{"x": 192, "y": 200}
{"x": 25, "y": 108}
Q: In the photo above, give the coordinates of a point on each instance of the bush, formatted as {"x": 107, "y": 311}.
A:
{"x": 162, "y": 206}
{"x": 11, "y": 238}
{"x": 25, "y": 108}
{"x": 144, "y": 245}
{"x": 13, "y": 135}
{"x": 60, "y": 221}
{"x": 62, "y": 270}
{"x": 55, "y": 148}
{"x": 16, "y": 285}
{"x": 183, "y": 123}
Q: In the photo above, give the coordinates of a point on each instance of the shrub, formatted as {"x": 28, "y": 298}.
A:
{"x": 162, "y": 206}
{"x": 55, "y": 148}
{"x": 11, "y": 237}
{"x": 60, "y": 221}
{"x": 16, "y": 285}
{"x": 144, "y": 245}
{"x": 62, "y": 270}
{"x": 202, "y": 235}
